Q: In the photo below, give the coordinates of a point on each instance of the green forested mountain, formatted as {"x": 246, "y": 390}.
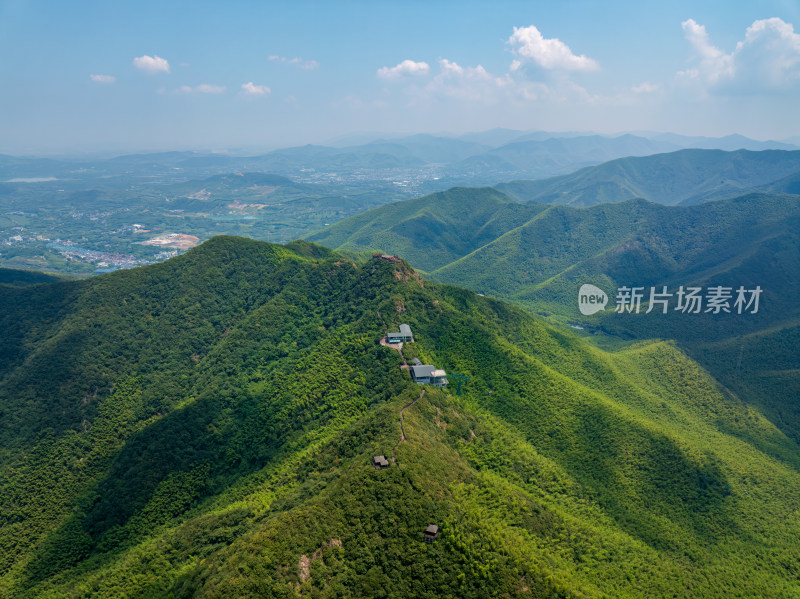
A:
{"x": 540, "y": 264}
{"x": 789, "y": 184}
{"x": 536, "y": 254}
{"x": 683, "y": 177}
{"x": 431, "y": 231}
{"x": 88, "y": 218}
{"x": 22, "y": 278}
{"x": 205, "y": 426}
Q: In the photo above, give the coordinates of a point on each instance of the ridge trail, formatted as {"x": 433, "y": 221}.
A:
{"x": 402, "y": 431}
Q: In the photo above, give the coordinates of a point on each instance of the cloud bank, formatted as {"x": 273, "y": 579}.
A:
{"x": 767, "y": 59}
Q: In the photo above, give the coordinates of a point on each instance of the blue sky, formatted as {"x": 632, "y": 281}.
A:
{"x": 111, "y": 76}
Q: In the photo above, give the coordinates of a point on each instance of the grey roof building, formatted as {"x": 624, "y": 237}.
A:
{"x": 401, "y": 336}
{"x": 427, "y": 374}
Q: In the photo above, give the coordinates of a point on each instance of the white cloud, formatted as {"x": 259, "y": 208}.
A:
{"x": 203, "y": 88}
{"x": 475, "y": 85}
{"x": 250, "y": 89}
{"x": 766, "y": 60}
{"x": 407, "y": 67}
{"x": 530, "y": 47}
{"x": 103, "y": 78}
{"x": 713, "y": 63}
{"x": 151, "y": 64}
{"x": 296, "y": 61}
{"x": 462, "y": 83}
{"x": 551, "y": 60}
{"x": 645, "y": 88}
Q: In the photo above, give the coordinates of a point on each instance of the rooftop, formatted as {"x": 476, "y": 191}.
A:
{"x": 422, "y": 371}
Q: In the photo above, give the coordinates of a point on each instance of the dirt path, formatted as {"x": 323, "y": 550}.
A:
{"x": 402, "y": 431}
{"x": 398, "y": 347}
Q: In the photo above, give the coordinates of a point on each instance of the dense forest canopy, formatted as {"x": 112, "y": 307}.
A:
{"x": 206, "y": 427}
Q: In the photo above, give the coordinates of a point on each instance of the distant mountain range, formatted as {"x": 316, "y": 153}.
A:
{"x": 435, "y": 230}
{"x": 423, "y": 161}
{"x": 683, "y": 177}
{"x": 729, "y": 142}
{"x": 101, "y": 211}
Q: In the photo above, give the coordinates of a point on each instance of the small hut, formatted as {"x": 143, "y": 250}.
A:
{"x": 431, "y": 533}
{"x": 380, "y": 462}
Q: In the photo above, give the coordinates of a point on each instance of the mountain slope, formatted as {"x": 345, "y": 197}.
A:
{"x": 22, "y": 278}
{"x": 431, "y": 231}
{"x": 555, "y": 152}
{"x": 749, "y": 241}
{"x": 547, "y": 155}
{"x": 538, "y": 255}
{"x": 637, "y": 242}
{"x": 683, "y": 177}
{"x": 728, "y": 143}
{"x": 209, "y": 424}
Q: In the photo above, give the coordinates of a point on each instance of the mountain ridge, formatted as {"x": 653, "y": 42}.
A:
{"x": 226, "y": 441}
{"x": 539, "y": 263}
{"x": 682, "y": 177}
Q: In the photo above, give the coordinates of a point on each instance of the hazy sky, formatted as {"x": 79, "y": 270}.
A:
{"x": 132, "y": 76}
